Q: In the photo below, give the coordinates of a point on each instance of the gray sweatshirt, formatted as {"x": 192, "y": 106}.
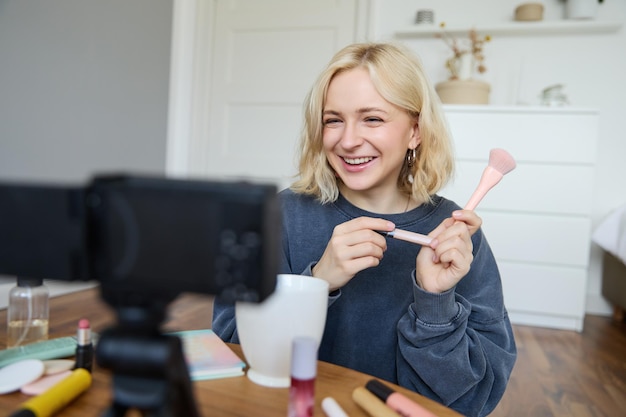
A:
{"x": 456, "y": 347}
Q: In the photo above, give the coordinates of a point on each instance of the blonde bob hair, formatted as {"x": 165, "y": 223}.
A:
{"x": 399, "y": 78}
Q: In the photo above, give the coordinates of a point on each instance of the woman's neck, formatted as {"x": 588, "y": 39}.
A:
{"x": 392, "y": 202}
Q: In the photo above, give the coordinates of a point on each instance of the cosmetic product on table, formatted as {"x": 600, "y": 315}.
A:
{"x": 332, "y": 408}
{"x": 15, "y": 375}
{"x": 371, "y": 404}
{"x": 27, "y": 313}
{"x": 44, "y": 383}
{"x": 55, "y": 366}
{"x": 57, "y": 397}
{"x": 60, "y": 347}
{"x": 84, "y": 346}
{"x": 303, "y": 373}
{"x": 396, "y": 401}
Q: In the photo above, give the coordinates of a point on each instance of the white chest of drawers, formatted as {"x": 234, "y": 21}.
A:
{"x": 538, "y": 219}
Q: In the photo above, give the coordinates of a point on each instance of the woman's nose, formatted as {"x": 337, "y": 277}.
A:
{"x": 351, "y": 136}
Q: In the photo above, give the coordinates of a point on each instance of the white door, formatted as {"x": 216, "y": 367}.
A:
{"x": 264, "y": 57}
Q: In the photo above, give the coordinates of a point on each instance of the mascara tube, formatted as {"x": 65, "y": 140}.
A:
{"x": 84, "y": 346}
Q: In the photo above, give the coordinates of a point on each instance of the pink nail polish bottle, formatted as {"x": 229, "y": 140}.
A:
{"x": 303, "y": 373}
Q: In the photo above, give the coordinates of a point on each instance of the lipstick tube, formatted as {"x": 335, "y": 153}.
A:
{"x": 84, "y": 346}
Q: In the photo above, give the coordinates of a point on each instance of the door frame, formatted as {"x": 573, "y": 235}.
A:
{"x": 189, "y": 82}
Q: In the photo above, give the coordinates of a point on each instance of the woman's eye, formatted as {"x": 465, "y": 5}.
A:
{"x": 331, "y": 121}
{"x": 374, "y": 120}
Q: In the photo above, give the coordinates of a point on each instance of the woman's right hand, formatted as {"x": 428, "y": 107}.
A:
{"x": 353, "y": 247}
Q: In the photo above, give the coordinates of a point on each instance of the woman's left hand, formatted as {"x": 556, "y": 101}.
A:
{"x": 447, "y": 260}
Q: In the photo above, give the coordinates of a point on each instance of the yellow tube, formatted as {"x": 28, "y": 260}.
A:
{"x": 58, "y": 396}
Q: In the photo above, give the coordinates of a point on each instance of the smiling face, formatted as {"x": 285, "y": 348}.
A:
{"x": 365, "y": 137}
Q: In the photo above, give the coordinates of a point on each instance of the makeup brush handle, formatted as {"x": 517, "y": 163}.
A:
{"x": 371, "y": 404}
{"x": 411, "y": 237}
{"x": 488, "y": 180}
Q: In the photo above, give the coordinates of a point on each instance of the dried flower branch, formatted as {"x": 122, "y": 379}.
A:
{"x": 474, "y": 45}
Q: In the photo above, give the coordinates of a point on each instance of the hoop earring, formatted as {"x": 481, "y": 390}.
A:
{"x": 411, "y": 157}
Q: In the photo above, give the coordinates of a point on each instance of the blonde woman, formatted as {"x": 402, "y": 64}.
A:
{"x": 375, "y": 151}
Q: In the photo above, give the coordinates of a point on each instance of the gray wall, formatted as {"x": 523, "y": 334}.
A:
{"x": 83, "y": 87}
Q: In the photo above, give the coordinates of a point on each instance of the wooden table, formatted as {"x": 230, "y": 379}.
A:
{"x": 236, "y": 396}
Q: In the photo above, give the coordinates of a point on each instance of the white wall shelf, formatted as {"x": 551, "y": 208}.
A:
{"x": 555, "y": 27}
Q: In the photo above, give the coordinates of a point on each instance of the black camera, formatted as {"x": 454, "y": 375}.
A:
{"x": 145, "y": 236}
{"x": 145, "y": 240}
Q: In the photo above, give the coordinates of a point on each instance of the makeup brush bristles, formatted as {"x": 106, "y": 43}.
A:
{"x": 501, "y": 161}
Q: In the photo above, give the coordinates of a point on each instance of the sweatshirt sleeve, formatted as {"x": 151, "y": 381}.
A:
{"x": 224, "y": 324}
{"x": 458, "y": 347}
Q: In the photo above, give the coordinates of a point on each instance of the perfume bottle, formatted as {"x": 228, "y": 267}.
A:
{"x": 27, "y": 313}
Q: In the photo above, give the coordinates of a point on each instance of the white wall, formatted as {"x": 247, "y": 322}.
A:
{"x": 83, "y": 89}
{"x": 591, "y": 66}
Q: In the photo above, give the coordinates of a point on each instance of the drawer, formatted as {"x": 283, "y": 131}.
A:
{"x": 539, "y": 239}
{"x": 552, "y": 189}
{"x": 549, "y": 137}
{"x": 544, "y": 289}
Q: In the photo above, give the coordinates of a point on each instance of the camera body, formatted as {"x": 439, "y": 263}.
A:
{"x": 145, "y": 238}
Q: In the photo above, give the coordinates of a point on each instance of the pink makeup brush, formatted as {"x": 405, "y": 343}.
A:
{"x": 500, "y": 164}
{"x": 407, "y": 236}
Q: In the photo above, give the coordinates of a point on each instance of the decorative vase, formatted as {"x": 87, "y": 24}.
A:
{"x": 463, "y": 92}
{"x": 529, "y": 12}
{"x": 465, "y": 66}
{"x": 581, "y": 9}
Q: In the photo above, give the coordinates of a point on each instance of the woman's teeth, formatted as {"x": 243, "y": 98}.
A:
{"x": 357, "y": 161}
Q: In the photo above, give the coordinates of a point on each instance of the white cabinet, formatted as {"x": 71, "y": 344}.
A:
{"x": 538, "y": 219}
